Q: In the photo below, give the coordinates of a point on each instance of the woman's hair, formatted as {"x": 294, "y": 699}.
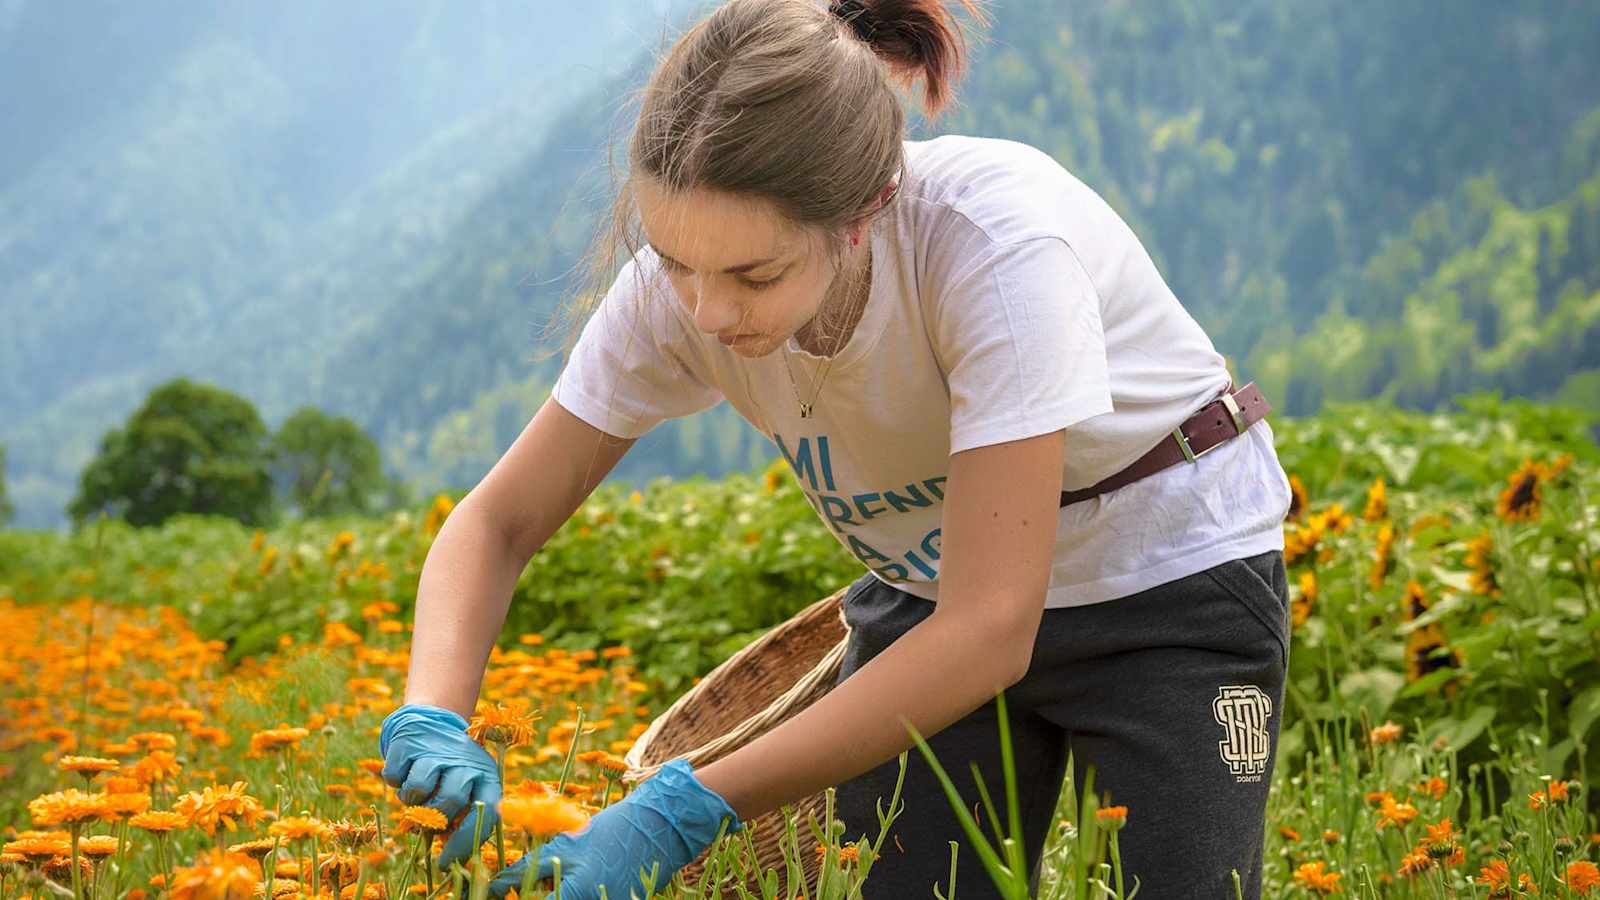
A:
{"x": 787, "y": 102}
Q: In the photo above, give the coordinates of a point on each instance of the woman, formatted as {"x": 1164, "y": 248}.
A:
{"x": 991, "y": 398}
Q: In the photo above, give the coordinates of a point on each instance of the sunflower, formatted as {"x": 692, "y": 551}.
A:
{"x": 1377, "y": 502}
{"x": 1520, "y": 501}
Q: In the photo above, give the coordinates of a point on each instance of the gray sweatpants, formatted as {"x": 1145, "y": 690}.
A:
{"x": 1173, "y": 694}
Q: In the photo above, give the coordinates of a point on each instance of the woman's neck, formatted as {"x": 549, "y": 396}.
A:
{"x": 845, "y": 306}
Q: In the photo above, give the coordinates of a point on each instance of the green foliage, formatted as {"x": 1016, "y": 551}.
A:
{"x": 331, "y": 467}
{"x": 188, "y": 448}
{"x": 6, "y": 509}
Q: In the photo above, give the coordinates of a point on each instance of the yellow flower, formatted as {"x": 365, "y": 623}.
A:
{"x": 98, "y": 845}
{"x": 1520, "y": 501}
{"x": 1377, "y": 502}
{"x": 39, "y": 848}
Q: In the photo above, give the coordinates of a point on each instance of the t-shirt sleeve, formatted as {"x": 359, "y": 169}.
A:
{"x": 634, "y": 364}
{"x": 1020, "y": 339}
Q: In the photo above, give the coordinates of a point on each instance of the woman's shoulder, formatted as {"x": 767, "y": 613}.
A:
{"x": 1007, "y": 190}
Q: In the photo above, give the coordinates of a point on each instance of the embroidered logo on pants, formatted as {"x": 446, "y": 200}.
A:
{"x": 1242, "y": 711}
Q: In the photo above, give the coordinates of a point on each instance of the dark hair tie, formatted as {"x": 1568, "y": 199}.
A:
{"x": 857, "y": 15}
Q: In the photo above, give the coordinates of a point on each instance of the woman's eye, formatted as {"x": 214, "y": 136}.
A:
{"x": 762, "y": 285}
{"x": 752, "y": 285}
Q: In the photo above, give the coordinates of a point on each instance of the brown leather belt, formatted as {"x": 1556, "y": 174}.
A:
{"x": 1230, "y": 414}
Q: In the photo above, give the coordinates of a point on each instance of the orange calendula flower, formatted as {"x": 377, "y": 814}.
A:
{"x": 256, "y": 849}
{"x": 88, "y": 765}
{"x": 218, "y": 875}
{"x": 506, "y": 725}
{"x": 1329, "y": 836}
{"x": 1557, "y": 791}
{"x": 218, "y": 804}
{"x": 298, "y": 828}
{"x": 276, "y": 738}
{"x": 98, "y": 845}
{"x": 1288, "y": 834}
{"x": 1536, "y": 800}
{"x": 39, "y": 848}
{"x": 68, "y": 807}
{"x": 156, "y": 767}
{"x": 160, "y": 821}
{"x": 1392, "y": 813}
{"x": 1316, "y": 880}
{"x": 1582, "y": 877}
{"x": 1113, "y": 817}
{"x": 1434, "y": 787}
{"x": 122, "y": 804}
{"x": 542, "y": 817}
{"x": 154, "y": 740}
{"x": 1414, "y": 862}
{"x": 1496, "y": 875}
{"x": 1387, "y": 733}
{"x": 424, "y": 817}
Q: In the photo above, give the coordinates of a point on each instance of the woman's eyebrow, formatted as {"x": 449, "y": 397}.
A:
{"x": 732, "y": 270}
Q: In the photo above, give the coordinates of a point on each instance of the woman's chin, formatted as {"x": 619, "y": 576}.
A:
{"x": 755, "y": 347}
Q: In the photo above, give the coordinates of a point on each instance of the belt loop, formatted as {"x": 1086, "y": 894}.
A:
{"x": 1233, "y": 410}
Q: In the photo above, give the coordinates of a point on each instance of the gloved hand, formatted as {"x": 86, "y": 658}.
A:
{"x": 669, "y": 819}
{"x": 426, "y": 749}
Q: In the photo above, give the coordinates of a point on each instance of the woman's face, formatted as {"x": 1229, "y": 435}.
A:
{"x": 740, "y": 276}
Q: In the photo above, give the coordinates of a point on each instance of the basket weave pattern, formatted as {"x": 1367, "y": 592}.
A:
{"x": 764, "y": 684}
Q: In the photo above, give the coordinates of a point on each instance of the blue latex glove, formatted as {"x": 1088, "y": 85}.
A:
{"x": 669, "y": 819}
{"x": 430, "y": 761}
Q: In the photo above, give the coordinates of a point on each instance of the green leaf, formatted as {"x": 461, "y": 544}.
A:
{"x": 1375, "y": 689}
{"x": 1582, "y": 713}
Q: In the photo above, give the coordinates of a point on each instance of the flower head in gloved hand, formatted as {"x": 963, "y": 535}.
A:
{"x": 430, "y": 761}
{"x": 667, "y": 821}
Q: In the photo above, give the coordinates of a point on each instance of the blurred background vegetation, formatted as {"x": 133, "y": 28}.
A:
{"x": 364, "y": 214}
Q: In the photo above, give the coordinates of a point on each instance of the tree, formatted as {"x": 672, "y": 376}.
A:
{"x": 190, "y": 448}
{"x": 6, "y": 509}
{"x": 329, "y": 465}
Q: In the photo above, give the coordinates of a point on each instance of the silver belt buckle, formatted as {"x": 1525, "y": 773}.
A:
{"x": 1238, "y": 428}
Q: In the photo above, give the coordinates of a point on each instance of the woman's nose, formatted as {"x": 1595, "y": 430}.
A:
{"x": 714, "y": 314}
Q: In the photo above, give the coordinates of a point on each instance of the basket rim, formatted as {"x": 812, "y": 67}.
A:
{"x": 638, "y": 772}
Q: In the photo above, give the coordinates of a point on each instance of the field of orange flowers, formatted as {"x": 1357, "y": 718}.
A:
{"x": 1436, "y": 741}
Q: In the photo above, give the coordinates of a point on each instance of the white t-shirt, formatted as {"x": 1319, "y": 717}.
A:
{"x": 1008, "y": 300}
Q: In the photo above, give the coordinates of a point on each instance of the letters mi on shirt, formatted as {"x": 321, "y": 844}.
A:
{"x": 1007, "y": 301}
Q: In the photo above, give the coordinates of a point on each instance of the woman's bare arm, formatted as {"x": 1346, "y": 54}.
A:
{"x": 473, "y": 565}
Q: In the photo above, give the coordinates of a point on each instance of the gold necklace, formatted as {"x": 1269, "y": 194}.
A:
{"x": 805, "y": 407}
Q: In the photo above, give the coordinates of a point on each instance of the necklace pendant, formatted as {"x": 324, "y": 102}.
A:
{"x": 805, "y": 410}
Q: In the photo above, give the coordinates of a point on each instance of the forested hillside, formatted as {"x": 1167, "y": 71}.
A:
{"x": 1358, "y": 200}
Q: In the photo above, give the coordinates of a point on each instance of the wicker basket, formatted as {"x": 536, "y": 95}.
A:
{"x": 764, "y": 684}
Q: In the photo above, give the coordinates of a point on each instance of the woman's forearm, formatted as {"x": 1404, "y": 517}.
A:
{"x": 933, "y": 675}
{"x": 462, "y": 597}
